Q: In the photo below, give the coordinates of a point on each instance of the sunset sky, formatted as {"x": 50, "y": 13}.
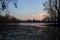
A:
{"x": 28, "y": 9}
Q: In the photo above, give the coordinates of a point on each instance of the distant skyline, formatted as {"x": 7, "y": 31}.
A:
{"x": 27, "y": 8}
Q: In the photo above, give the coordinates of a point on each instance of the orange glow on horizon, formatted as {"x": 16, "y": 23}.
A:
{"x": 40, "y": 16}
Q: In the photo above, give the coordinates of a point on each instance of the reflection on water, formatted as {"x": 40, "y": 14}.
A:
{"x": 33, "y": 24}
{"x": 23, "y": 32}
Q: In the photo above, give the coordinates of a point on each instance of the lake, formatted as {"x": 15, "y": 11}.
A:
{"x": 28, "y": 31}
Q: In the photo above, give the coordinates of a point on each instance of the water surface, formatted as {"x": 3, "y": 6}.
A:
{"x": 28, "y": 31}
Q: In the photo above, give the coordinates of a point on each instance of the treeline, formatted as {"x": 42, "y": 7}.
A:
{"x": 8, "y": 19}
{"x": 37, "y": 21}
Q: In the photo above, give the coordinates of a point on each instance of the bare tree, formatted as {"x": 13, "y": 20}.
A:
{"x": 52, "y": 7}
{"x": 4, "y": 3}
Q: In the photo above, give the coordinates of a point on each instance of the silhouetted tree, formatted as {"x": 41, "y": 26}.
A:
{"x": 5, "y": 3}
{"x": 4, "y": 6}
{"x": 52, "y": 7}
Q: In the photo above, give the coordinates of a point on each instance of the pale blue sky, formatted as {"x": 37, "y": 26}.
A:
{"x": 27, "y": 8}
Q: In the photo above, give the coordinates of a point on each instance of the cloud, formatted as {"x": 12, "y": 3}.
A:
{"x": 39, "y": 16}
